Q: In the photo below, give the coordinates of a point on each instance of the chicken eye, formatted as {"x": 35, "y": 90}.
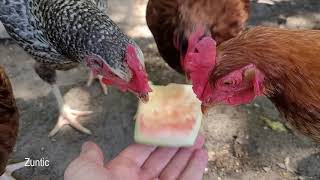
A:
{"x": 94, "y": 63}
{"x": 97, "y": 63}
{"x": 230, "y": 83}
{"x": 227, "y": 83}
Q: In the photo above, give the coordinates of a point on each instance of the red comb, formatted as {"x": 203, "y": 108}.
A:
{"x": 195, "y": 36}
{"x": 199, "y": 62}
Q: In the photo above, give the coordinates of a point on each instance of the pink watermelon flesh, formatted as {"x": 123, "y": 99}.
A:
{"x": 172, "y": 117}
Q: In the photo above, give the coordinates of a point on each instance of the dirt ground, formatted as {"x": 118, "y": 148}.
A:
{"x": 241, "y": 144}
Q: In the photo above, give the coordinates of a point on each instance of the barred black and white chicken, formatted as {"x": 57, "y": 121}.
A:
{"x": 61, "y": 34}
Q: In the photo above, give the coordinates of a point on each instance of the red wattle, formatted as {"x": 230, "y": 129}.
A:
{"x": 139, "y": 82}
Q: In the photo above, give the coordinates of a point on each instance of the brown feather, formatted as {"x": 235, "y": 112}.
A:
{"x": 162, "y": 17}
{"x": 224, "y": 19}
{"x": 290, "y": 60}
{"x": 9, "y": 120}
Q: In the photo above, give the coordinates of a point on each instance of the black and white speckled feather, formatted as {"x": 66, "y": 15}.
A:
{"x": 101, "y": 4}
{"x": 21, "y": 26}
{"x": 62, "y": 32}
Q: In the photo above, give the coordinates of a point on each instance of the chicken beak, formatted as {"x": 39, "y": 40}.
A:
{"x": 144, "y": 98}
{"x": 204, "y": 109}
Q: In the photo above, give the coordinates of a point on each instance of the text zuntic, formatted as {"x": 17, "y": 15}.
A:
{"x": 38, "y": 162}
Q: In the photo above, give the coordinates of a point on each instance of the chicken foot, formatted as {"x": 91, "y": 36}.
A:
{"x": 67, "y": 116}
{"x": 92, "y": 77}
{"x": 7, "y": 175}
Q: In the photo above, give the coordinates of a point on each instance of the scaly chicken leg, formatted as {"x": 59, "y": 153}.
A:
{"x": 67, "y": 116}
{"x": 7, "y": 175}
{"x": 92, "y": 77}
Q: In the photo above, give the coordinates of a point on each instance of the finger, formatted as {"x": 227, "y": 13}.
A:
{"x": 157, "y": 162}
{"x": 135, "y": 153}
{"x": 196, "y": 166}
{"x": 88, "y": 164}
{"x": 180, "y": 160}
{"x": 91, "y": 152}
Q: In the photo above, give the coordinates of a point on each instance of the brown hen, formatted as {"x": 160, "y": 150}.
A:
{"x": 184, "y": 28}
{"x": 283, "y": 65}
{"x": 9, "y": 126}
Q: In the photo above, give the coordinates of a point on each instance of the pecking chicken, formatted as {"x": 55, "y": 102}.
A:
{"x": 61, "y": 34}
{"x": 9, "y": 126}
{"x": 183, "y": 29}
{"x": 283, "y": 65}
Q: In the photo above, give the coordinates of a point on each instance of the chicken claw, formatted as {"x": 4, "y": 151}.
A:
{"x": 69, "y": 116}
{"x": 92, "y": 77}
{"x": 7, "y": 175}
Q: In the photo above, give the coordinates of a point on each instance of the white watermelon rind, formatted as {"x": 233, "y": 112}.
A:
{"x": 166, "y": 140}
{"x": 169, "y": 141}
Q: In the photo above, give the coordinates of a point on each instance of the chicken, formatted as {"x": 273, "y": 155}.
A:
{"x": 181, "y": 28}
{"x": 61, "y": 34}
{"x": 9, "y": 126}
{"x": 281, "y": 64}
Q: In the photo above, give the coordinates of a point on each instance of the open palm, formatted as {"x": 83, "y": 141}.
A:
{"x": 140, "y": 162}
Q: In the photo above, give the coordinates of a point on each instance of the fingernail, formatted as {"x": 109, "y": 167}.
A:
{"x": 85, "y": 147}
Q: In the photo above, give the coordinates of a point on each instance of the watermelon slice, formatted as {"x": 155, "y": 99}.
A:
{"x": 171, "y": 118}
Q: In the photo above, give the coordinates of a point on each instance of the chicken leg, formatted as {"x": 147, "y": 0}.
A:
{"x": 67, "y": 116}
{"x": 7, "y": 175}
{"x": 92, "y": 77}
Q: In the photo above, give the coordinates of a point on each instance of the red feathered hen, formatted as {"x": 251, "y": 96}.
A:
{"x": 187, "y": 32}
{"x": 283, "y": 65}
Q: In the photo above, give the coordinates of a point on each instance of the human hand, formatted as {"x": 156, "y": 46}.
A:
{"x": 140, "y": 162}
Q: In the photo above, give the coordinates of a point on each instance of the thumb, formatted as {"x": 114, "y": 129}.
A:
{"x": 87, "y": 164}
{"x": 91, "y": 152}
